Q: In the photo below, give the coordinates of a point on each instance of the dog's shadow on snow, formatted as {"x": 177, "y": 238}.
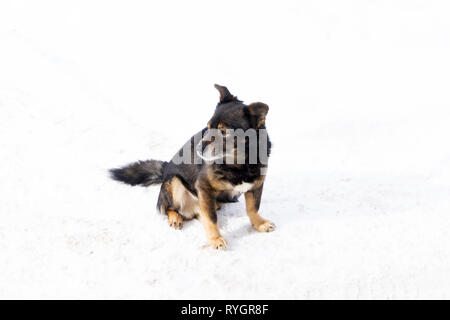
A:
{"x": 228, "y": 213}
{"x": 241, "y": 232}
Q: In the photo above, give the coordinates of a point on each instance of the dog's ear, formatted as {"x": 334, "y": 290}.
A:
{"x": 225, "y": 95}
{"x": 257, "y": 112}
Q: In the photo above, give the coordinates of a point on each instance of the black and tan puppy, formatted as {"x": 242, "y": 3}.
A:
{"x": 194, "y": 185}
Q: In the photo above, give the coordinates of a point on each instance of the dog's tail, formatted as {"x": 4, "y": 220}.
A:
{"x": 144, "y": 173}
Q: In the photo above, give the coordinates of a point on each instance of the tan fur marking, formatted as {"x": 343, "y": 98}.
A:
{"x": 258, "y": 222}
{"x": 219, "y": 185}
{"x": 258, "y": 182}
{"x": 221, "y": 126}
{"x": 215, "y": 240}
{"x": 174, "y": 219}
{"x": 184, "y": 200}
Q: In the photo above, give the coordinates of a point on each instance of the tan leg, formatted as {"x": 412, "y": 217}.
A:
{"x": 252, "y": 201}
{"x": 208, "y": 217}
{"x": 175, "y": 219}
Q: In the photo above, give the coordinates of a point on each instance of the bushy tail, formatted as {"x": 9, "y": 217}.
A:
{"x": 144, "y": 173}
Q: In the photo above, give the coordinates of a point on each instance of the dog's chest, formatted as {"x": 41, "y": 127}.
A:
{"x": 243, "y": 187}
{"x": 239, "y": 189}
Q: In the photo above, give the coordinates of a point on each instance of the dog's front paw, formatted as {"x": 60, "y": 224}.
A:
{"x": 265, "y": 226}
{"x": 218, "y": 243}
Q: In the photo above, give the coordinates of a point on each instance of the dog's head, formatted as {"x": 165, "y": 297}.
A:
{"x": 232, "y": 113}
{"x": 233, "y": 129}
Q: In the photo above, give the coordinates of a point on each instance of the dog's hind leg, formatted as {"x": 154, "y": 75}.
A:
{"x": 166, "y": 206}
{"x": 177, "y": 202}
{"x": 175, "y": 219}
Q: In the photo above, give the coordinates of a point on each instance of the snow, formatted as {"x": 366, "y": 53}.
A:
{"x": 358, "y": 182}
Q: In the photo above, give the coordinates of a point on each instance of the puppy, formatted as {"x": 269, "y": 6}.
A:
{"x": 218, "y": 164}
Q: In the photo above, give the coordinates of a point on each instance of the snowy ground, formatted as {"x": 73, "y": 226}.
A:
{"x": 358, "y": 184}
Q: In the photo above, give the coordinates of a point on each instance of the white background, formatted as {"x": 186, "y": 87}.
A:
{"x": 358, "y": 184}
